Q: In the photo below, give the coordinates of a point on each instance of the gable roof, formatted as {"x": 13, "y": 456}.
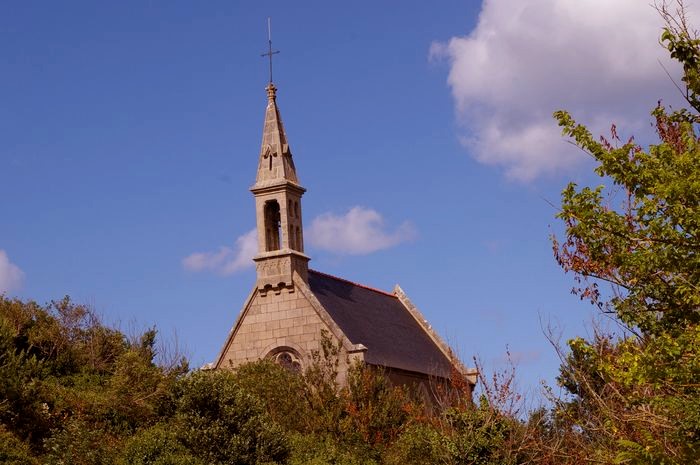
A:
{"x": 381, "y": 322}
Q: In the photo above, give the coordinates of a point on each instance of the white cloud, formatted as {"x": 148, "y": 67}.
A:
{"x": 11, "y": 277}
{"x": 598, "y": 59}
{"x": 360, "y": 231}
{"x": 226, "y": 260}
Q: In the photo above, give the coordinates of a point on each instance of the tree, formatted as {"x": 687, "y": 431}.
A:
{"x": 635, "y": 399}
{"x": 73, "y": 389}
{"x": 219, "y": 422}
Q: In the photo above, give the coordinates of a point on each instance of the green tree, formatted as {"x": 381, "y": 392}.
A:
{"x": 72, "y": 388}
{"x": 280, "y": 391}
{"x": 635, "y": 399}
{"x": 157, "y": 445}
{"x": 219, "y": 422}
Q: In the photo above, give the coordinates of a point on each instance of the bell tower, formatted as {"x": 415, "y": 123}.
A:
{"x": 277, "y": 208}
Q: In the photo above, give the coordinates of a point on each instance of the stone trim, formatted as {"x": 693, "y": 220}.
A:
{"x": 234, "y": 328}
{"x": 469, "y": 373}
{"x": 287, "y": 344}
{"x": 276, "y": 186}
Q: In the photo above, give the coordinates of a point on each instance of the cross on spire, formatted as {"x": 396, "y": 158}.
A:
{"x": 270, "y": 52}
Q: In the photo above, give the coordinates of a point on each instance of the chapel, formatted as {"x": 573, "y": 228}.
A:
{"x": 291, "y": 306}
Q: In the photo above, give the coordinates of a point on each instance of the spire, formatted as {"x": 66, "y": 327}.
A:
{"x": 275, "y": 165}
{"x": 278, "y": 208}
{"x": 277, "y": 204}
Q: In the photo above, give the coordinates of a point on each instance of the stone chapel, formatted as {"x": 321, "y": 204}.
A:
{"x": 291, "y": 306}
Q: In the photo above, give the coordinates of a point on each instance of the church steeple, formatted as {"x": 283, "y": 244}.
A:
{"x": 276, "y": 164}
{"x": 278, "y": 195}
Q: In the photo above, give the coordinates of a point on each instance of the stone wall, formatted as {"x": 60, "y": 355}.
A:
{"x": 271, "y": 321}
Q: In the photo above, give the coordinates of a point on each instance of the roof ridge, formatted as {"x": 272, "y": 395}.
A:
{"x": 354, "y": 283}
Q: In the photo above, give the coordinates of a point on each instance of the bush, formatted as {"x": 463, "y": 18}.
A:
{"x": 157, "y": 446}
{"x": 279, "y": 390}
{"x": 80, "y": 443}
{"x": 217, "y": 421}
{"x": 13, "y": 451}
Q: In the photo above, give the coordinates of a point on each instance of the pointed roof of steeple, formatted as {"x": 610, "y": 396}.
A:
{"x": 275, "y": 165}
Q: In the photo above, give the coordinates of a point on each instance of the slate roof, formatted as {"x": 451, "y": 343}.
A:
{"x": 380, "y": 322}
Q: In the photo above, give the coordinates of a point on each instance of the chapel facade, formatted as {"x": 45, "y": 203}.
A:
{"x": 291, "y": 306}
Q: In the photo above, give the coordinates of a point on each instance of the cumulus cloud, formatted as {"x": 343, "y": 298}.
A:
{"x": 599, "y": 59}
{"x": 11, "y": 277}
{"x": 226, "y": 260}
{"x": 360, "y": 231}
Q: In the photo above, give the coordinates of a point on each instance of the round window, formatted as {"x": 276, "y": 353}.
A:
{"x": 288, "y": 360}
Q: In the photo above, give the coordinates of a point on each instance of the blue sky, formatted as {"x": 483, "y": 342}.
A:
{"x": 130, "y": 131}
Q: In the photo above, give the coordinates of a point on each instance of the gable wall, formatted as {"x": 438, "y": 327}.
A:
{"x": 275, "y": 320}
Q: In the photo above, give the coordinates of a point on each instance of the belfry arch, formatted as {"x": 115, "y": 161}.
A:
{"x": 272, "y": 225}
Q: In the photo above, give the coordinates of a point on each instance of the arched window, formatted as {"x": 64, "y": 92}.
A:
{"x": 272, "y": 225}
{"x": 287, "y": 358}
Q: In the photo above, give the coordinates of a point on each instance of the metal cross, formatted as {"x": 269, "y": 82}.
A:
{"x": 270, "y": 52}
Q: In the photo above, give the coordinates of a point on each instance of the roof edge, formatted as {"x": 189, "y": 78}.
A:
{"x": 234, "y": 329}
{"x": 469, "y": 373}
{"x": 347, "y": 281}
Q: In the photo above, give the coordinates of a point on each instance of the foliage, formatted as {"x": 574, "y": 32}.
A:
{"x": 77, "y": 391}
{"x": 375, "y": 411}
{"x": 20, "y": 409}
{"x": 635, "y": 399}
{"x": 280, "y": 391}
{"x": 646, "y": 248}
{"x": 323, "y": 449}
{"x": 632, "y": 395}
{"x": 72, "y": 387}
{"x": 321, "y": 391}
{"x": 220, "y": 423}
{"x": 13, "y": 451}
{"x": 80, "y": 442}
{"x": 157, "y": 445}
{"x": 329, "y": 422}
{"x": 474, "y": 435}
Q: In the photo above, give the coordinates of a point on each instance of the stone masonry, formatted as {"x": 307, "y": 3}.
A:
{"x": 276, "y": 320}
{"x": 291, "y": 307}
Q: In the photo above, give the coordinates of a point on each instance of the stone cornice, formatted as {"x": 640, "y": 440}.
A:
{"x": 276, "y": 186}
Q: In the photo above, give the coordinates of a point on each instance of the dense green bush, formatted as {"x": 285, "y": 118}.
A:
{"x": 80, "y": 442}
{"x": 221, "y": 423}
{"x": 157, "y": 445}
{"x": 281, "y": 392}
{"x": 13, "y": 451}
{"x": 478, "y": 435}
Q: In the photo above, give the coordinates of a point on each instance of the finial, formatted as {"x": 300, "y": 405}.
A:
{"x": 271, "y": 91}
{"x": 270, "y": 52}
